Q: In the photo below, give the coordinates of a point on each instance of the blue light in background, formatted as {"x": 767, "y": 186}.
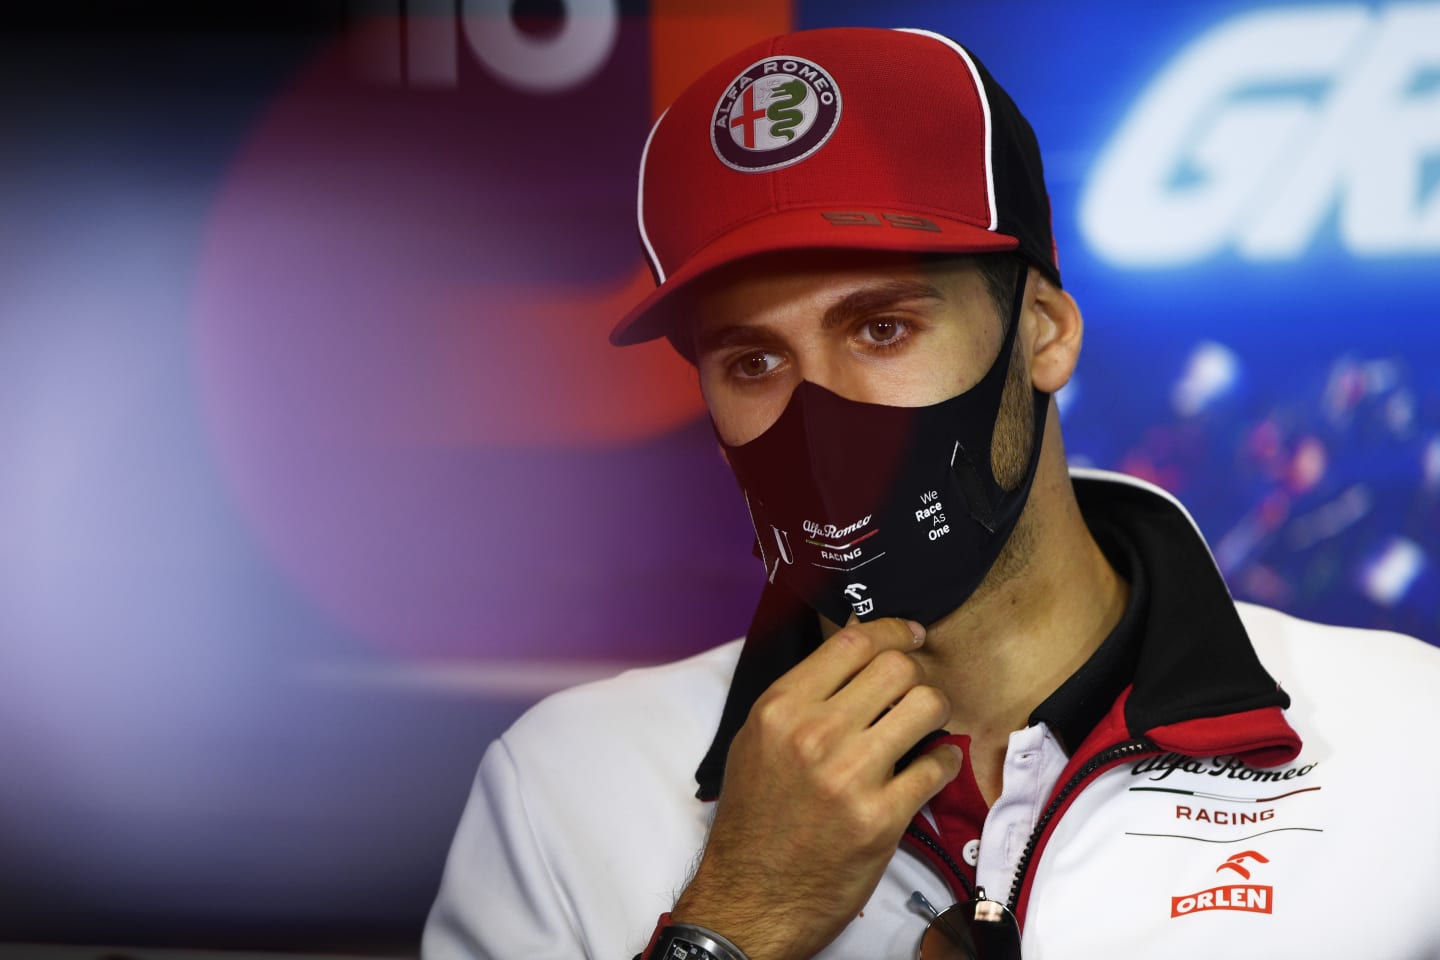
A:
{"x": 1245, "y": 206}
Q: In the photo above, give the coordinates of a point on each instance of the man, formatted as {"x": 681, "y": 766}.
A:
{"x": 975, "y": 677}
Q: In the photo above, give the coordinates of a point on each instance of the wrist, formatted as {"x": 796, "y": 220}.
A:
{"x": 754, "y": 935}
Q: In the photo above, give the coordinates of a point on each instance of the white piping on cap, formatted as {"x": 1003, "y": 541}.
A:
{"x": 1091, "y": 473}
{"x": 640, "y": 205}
{"x": 984, "y": 107}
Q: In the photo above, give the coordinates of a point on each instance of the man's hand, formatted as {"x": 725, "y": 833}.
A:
{"x": 811, "y": 810}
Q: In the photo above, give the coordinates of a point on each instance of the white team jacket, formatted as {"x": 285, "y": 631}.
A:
{"x": 1215, "y": 835}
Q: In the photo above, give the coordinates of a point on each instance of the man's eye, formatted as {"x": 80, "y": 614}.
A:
{"x": 883, "y": 330}
{"x": 757, "y": 364}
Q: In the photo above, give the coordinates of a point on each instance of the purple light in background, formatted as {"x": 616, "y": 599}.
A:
{"x": 401, "y": 337}
{"x": 127, "y": 620}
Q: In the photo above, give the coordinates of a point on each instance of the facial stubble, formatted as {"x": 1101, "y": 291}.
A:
{"x": 1010, "y": 448}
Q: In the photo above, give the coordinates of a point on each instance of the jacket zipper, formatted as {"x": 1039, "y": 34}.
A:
{"x": 1101, "y": 759}
{"x": 914, "y": 831}
{"x": 1092, "y": 765}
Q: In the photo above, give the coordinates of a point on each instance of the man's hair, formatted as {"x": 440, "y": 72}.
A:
{"x": 999, "y": 271}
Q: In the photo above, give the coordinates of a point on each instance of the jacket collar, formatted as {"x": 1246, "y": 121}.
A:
{"x": 1194, "y": 660}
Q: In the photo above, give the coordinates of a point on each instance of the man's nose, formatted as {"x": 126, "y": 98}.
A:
{"x": 835, "y": 375}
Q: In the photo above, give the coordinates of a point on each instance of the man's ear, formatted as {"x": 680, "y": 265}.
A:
{"x": 1056, "y": 331}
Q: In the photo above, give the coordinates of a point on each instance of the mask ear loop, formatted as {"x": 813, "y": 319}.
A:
{"x": 981, "y": 491}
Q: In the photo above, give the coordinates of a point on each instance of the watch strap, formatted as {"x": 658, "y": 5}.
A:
{"x": 660, "y": 926}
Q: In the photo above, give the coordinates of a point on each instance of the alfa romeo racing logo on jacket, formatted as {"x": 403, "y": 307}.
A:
{"x": 776, "y": 113}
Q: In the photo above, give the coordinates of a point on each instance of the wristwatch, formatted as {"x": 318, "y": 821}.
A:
{"x": 685, "y": 941}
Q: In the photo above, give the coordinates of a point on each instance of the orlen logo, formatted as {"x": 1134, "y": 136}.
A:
{"x": 1246, "y": 897}
{"x": 1262, "y": 127}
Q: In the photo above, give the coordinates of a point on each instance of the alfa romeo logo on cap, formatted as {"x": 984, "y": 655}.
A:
{"x": 778, "y": 112}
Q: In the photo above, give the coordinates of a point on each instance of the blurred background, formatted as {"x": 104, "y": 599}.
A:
{"x": 316, "y": 468}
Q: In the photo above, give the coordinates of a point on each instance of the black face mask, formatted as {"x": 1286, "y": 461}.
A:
{"x": 885, "y": 511}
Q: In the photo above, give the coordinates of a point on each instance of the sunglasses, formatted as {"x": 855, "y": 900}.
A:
{"x": 978, "y": 929}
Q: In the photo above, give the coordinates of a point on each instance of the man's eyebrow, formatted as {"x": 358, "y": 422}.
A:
{"x": 868, "y": 300}
{"x": 876, "y": 298}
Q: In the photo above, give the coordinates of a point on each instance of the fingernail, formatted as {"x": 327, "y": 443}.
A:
{"x": 917, "y": 631}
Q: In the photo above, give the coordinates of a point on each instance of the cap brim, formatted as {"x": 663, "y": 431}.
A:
{"x": 806, "y": 229}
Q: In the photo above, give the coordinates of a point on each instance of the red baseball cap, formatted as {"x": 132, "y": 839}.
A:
{"x": 852, "y": 138}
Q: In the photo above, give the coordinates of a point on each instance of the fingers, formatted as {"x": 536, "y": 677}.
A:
{"x": 920, "y": 711}
{"x": 882, "y": 683}
{"x": 926, "y": 776}
{"x": 845, "y": 654}
{"x": 819, "y": 722}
